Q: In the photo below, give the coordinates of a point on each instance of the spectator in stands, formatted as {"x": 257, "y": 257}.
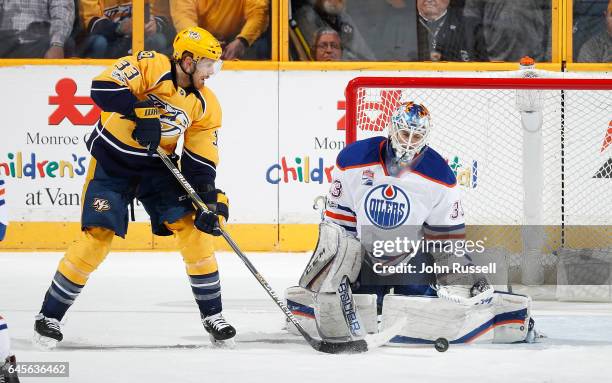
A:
{"x": 587, "y": 22}
{"x": 331, "y": 13}
{"x": 389, "y": 27}
{"x": 109, "y": 27}
{"x": 505, "y": 30}
{"x": 598, "y": 49}
{"x": 440, "y": 32}
{"x": 241, "y": 26}
{"x": 327, "y": 45}
{"x": 31, "y": 29}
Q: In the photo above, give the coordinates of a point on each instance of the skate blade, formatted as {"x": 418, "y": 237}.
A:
{"x": 43, "y": 343}
{"x": 223, "y": 344}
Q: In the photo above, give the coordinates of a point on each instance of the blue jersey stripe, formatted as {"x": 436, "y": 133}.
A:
{"x": 349, "y": 228}
{"x": 294, "y": 306}
{"x": 443, "y": 229}
{"x": 345, "y": 208}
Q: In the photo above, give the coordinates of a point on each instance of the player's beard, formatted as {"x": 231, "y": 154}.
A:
{"x": 190, "y": 74}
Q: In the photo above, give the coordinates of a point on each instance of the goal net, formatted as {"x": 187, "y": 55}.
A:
{"x": 533, "y": 157}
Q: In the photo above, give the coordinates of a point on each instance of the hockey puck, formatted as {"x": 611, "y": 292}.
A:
{"x": 441, "y": 344}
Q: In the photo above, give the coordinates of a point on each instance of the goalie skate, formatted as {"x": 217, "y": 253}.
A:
{"x": 47, "y": 332}
{"x": 219, "y": 331}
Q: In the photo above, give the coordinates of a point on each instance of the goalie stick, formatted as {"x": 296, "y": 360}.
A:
{"x": 354, "y": 346}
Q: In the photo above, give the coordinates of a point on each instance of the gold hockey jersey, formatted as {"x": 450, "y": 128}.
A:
{"x": 194, "y": 113}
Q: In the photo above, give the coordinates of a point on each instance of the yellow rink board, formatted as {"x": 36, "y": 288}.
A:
{"x": 56, "y": 236}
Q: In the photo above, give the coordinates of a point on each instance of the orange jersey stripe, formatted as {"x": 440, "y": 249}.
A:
{"x": 435, "y": 180}
{"x": 343, "y": 217}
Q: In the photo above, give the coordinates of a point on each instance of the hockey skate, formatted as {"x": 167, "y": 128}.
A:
{"x": 219, "y": 331}
{"x": 47, "y": 332}
{"x": 6, "y": 373}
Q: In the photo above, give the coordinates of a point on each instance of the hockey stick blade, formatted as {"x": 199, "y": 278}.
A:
{"x": 351, "y": 347}
{"x": 371, "y": 341}
{"x": 379, "y": 339}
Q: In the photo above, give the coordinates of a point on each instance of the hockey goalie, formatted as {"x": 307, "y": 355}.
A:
{"x": 392, "y": 249}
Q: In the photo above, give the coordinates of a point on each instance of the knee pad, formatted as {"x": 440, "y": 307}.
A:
{"x": 86, "y": 254}
{"x": 337, "y": 254}
{"x": 196, "y": 247}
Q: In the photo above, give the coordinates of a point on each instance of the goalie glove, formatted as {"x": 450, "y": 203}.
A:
{"x": 479, "y": 293}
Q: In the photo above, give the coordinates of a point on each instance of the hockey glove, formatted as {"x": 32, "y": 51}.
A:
{"x": 210, "y": 222}
{"x": 148, "y": 128}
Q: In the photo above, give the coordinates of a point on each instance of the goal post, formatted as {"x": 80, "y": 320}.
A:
{"x": 533, "y": 157}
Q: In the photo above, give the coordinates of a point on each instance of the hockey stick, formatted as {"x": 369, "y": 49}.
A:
{"x": 355, "y": 346}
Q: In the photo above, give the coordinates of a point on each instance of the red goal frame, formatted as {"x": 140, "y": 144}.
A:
{"x": 459, "y": 83}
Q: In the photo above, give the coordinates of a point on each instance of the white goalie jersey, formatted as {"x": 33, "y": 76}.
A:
{"x": 376, "y": 202}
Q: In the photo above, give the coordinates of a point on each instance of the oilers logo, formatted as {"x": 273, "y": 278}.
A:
{"x": 387, "y": 206}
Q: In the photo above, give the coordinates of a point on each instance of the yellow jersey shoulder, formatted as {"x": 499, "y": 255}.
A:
{"x": 155, "y": 66}
{"x": 210, "y": 113}
{"x": 140, "y": 72}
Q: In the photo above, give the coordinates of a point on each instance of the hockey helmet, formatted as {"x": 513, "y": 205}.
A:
{"x": 408, "y": 129}
{"x": 199, "y": 42}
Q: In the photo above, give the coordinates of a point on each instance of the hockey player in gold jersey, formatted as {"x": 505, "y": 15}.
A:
{"x": 150, "y": 100}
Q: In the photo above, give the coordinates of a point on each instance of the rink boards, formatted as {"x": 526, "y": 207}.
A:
{"x": 281, "y": 133}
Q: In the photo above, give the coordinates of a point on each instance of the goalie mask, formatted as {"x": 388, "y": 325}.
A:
{"x": 408, "y": 130}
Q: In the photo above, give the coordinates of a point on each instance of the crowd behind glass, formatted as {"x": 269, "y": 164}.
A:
{"x": 319, "y": 30}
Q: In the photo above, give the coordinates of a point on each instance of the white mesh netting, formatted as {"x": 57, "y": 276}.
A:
{"x": 541, "y": 190}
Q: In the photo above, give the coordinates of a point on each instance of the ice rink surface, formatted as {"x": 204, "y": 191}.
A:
{"x": 136, "y": 321}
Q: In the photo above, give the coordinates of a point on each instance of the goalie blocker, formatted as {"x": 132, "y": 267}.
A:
{"x": 325, "y": 306}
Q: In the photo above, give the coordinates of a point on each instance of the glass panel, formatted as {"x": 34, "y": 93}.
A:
{"x": 592, "y": 31}
{"x": 106, "y": 31}
{"x": 421, "y": 30}
{"x": 502, "y": 30}
{"x": 242, "y": 27}
{"x": 159, "y": 30}
{"x": 34, "y": 29}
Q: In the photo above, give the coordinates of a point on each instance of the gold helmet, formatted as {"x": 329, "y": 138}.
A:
{"x": 199, "y": 42}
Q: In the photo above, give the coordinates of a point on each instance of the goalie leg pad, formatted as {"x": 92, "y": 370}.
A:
{"x": 303, "y": 305}
{"x": 337, "y": 315}
{"x": 336, "y": 255}
{"x": 512, "y": 313}
{"x": 431, "y": 318}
